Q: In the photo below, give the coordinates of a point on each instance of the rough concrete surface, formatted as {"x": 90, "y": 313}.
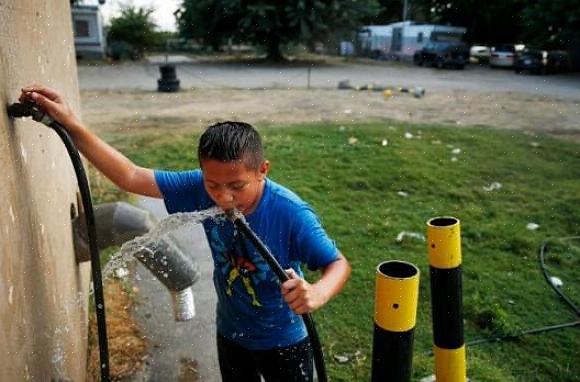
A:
{"x": 43, "y": 290}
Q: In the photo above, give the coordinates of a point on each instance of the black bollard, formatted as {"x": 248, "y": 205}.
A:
{"x": 444, "y": 238}
{"x": 168, "y": 82}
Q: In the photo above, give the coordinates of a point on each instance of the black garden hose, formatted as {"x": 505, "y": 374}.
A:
{"x": 19, "y": 110}
{"x": 241, "y": 224}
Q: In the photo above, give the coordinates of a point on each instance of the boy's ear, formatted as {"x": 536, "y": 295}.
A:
{"x": 263, "y": 170}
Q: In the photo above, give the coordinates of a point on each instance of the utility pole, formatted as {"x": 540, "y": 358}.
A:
{"x": 405, "y": 10}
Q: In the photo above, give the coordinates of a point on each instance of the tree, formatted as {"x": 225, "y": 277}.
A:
{"x": 212, "y": 22}
{"x": 491, "y": 21}
{"x": 391, "y": 11}
{"x": 552, "y": 23}
{"x": 132, "y": 28}
{"x": 271, "y": 23}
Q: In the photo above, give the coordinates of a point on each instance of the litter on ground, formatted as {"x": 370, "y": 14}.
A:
{"x": 557, "y": 282}
{"x": 413, "y": 235}
{"x": 532, "y": 226}
{"x": 492, "y": 186}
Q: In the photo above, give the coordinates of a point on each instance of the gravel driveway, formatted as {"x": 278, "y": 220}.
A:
{"x": 124, "y": 96}
{"x": 247, "y": 76}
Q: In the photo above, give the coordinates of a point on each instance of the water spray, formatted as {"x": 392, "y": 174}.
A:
{"x": 242, "y": 225}
{"x": 166, "y": 261}
{"x": 121, "y": 223}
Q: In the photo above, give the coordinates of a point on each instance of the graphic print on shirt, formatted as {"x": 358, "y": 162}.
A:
{"x": 236, "y": 267}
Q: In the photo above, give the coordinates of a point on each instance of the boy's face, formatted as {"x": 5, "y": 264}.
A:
{"x": 234, "y": 185}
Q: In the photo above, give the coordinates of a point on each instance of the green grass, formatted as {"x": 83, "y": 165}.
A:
{"x": 354, "y": 189}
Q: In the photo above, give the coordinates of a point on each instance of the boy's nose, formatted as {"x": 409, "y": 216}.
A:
{"x": 225, "y": 199}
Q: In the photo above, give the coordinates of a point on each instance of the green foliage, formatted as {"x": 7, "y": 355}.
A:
{"x": 490, "y": 22}
{"x": 544, "y": 23}
{"x": 392, "y": 11}
{"x": 354, "y": 189}
{"x": 271, "y": 24}
{"x": 212, "y": 22}
{"x": 131, "y": 33}
{"x": 552, "y": 23}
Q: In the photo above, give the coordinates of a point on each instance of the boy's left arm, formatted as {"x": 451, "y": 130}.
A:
{"x": 303, "y": 297}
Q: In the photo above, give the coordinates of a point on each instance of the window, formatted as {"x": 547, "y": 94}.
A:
{"x": 82, "y": 28}
{"x": 420, "y": 37}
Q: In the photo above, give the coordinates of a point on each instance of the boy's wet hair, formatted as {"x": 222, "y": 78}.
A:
{"x": 231, "y": 141}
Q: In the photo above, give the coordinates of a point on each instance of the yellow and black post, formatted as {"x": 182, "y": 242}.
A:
{"x": 397, "y": 291}
{"x": 444, "y": 241}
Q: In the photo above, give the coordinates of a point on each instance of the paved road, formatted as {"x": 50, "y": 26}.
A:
{"x": 247, "y": 76}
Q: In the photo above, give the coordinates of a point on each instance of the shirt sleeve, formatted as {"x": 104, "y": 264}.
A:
{"x": 311, "y": 244}
{"x": 182, "y": 191}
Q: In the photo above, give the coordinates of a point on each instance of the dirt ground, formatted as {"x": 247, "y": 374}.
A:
{"x": 124, "y": 110}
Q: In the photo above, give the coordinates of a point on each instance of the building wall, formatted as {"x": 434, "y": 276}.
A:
{"x": 89, "y": 40}
{"x": 43, "y": 292}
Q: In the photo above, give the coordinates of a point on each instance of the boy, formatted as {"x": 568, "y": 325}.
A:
{"x": 257, "y": 333}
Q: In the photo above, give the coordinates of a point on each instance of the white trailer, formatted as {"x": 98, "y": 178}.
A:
{"x": 401, "y": 40}
{"x": 88, "y": 31}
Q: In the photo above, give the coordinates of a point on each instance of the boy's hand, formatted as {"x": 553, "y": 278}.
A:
{"x": 301, "y": 296}
{"x": 52, "y": 103}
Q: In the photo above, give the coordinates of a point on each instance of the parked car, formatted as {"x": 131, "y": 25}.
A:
{"x": 503, "y": 56}
{"x": 479, "y": 54}
{"x": 542, "y": 62}
{"x": 442, "y": 54}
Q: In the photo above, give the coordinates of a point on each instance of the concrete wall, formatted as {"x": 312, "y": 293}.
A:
{"x": 43, "y": 292}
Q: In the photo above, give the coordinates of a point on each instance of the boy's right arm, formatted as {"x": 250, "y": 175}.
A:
{"x": 114, "y": 165}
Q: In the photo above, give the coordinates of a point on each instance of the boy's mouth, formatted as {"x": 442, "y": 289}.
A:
{"x": 231, "y": 209}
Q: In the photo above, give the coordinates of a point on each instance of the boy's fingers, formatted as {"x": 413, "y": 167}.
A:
{"x": 47, "y": 92}
{"x": 23, "y": 97}
{"x": 288, "y": 285}
{"x": 299, "y": 308}
{"x": 43, "y": 101}
{"x": 292, "y": 273}
{"x": 292, "y": 297}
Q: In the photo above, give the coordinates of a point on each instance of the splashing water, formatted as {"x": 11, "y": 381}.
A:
{"x": 171, "y": 223}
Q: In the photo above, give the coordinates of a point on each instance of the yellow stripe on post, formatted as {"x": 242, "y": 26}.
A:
{"x": 450, "y": 364}
{"x": 444, "y": 236}
{"x": 396, "y": 296}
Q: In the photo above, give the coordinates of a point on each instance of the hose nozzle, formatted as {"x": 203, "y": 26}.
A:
{"x": 233, "y": 215}
{"x": 29, "y": 109}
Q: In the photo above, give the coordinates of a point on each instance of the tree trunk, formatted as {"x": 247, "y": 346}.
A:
{"x": 273, "y": 49}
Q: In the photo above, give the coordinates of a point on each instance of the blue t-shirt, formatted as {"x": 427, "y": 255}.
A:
{"x": 251, "y": 310}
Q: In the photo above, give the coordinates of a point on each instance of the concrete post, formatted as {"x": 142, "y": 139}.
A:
{"x": 43, "y": 292}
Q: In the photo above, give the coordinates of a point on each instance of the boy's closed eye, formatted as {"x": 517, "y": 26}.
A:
{"x": 239, "y": 186}
{"x": 234, "y": 186}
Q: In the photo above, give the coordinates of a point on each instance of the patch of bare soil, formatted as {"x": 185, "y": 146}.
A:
{"x": 123, "y": 111}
